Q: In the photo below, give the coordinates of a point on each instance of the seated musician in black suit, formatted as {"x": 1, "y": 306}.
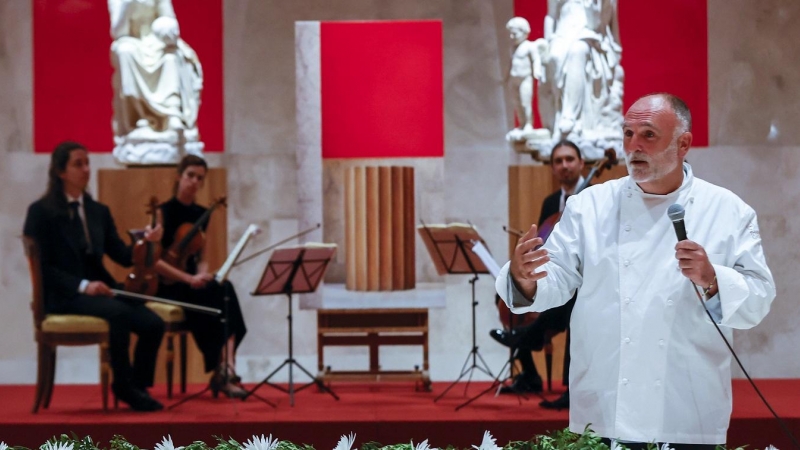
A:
{"x": 567, "y": 164}
{"x": 74, "y": 232}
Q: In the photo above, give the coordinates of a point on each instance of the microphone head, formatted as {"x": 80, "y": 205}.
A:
{"x": 676, "y": 212}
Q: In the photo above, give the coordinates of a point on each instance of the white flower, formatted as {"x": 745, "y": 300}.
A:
{"x": 422, "y": 446}
{"x": 56, "y": 446}
{"x": 665, "y": 446}
{"x": 346, "y": 442}
{"x": 261, "y": 443}
{"x": 615, "y": 445}
{"x": 3, "y": 446}
{"x": 769, "y": 447}
{"x": 166, "y": 444}
{"x": 489, "y": 443}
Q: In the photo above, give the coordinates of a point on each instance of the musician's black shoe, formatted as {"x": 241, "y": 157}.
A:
{"x": 507, "y": 338}
{"x": 138, "y": 400}
{"x": 558, "y": 404}
{"x": 523, "y": 385}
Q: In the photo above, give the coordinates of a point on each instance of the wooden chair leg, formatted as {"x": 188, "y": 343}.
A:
{"x": 51, "y": 364}
{"x": 170, "y": 362}
{"x": 41, "y": 376}
{"x": 105, "y": 370}
{"x": 183, "y": 361}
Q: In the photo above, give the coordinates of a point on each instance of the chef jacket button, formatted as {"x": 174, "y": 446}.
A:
{"x": 624, "y": 381}
{"x": 627, "y": 228}
{"x": 627, "y": 340}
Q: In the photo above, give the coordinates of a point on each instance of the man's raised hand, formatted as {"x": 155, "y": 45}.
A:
{"x": 526, "y": 259}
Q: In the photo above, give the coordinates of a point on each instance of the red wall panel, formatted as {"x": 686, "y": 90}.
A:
{"x": 664, "y": 48}
{"x": 72, "y": 71}
{"x": 382, "y": 92}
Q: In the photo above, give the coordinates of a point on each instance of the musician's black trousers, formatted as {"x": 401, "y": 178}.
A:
{"x": 124, "y": 317}
{"x": 208, "y": 331}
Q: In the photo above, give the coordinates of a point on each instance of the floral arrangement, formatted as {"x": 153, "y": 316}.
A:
{"x": 559, "y": 440}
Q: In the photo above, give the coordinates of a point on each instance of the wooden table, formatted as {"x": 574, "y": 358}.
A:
{"x": 373, "y": 328}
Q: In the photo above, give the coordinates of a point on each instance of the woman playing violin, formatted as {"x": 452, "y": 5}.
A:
{"x": 190, "y": 281}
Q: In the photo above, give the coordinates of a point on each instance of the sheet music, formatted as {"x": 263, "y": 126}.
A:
{"x": 222, "y": 273}
{"x": 486, "y": 258}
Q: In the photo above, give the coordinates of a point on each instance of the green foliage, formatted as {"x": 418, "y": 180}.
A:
{"x": 557, "y": 440}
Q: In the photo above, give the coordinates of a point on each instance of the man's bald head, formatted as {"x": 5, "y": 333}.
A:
{"x": 678, "y": 107}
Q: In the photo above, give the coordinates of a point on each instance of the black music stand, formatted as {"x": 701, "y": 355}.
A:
{"x": 449, "y": 247}
{"x": 296, "y": 270}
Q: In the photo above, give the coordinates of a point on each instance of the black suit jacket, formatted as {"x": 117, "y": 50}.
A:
{"x": 550, "y": 206}
{"x": 63, "y": 265}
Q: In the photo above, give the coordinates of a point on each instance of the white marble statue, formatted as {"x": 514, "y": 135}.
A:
{"x": 580, "y": 91}
{"x": 526, "y": 64}
{"x": 157, "y": 83}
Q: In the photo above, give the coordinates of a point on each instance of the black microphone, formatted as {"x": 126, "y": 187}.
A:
{"x": 676, "y": 213}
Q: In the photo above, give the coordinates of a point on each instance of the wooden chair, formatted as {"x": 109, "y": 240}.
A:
{"x": 174, "y": 321}
{"x": 52, "y": 330}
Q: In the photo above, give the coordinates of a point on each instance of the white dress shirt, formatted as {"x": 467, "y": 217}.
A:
{"x": 647, "y": 365}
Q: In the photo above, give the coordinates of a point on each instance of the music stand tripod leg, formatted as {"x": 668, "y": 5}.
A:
{"x": 291, "y": 362}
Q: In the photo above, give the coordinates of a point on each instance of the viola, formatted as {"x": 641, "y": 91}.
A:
{"x": 143, "y": 279}
{"x": 189, "y": 240}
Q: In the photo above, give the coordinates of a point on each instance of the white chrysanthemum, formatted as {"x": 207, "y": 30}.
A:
{"x": 3, "y": 446}
{"x": 57, "y": 446}
{"x": 261, "y": 443}
{"x": 166, "y": 444}
{"x": 665, "y": 446}
{"x": 346, "y": 442}
{"x": 422, "y": 446}
{"x": 489, "y": 442}
{"x": 615, "y": 445}
{"x": 769, "y": 447}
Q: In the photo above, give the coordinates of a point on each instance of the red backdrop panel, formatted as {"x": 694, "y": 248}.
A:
{"x": 72, "y": 71}
{"x": 382, "y": 93}
{"x": 664, "y": 48}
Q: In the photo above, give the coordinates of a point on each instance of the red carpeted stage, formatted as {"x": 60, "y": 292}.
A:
{"x": 384, "y": 412}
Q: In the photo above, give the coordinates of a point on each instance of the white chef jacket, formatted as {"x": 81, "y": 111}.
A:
{"x": 647, "y": 364}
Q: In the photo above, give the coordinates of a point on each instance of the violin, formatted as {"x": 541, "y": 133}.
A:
{"x": 143, "y": 279}
{"x": 189, "y": 240}
{"x": 608, "y": 160}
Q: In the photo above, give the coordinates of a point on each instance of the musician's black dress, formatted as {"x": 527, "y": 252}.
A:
{"x": 208, "y": 331}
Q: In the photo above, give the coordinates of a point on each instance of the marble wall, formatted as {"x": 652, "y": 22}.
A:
{"x": 754, "y": 84}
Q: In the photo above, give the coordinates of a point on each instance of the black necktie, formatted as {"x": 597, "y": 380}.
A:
{"x": 77, "y": 226}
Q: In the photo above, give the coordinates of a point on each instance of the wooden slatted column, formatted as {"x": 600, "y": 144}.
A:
{"x": 379, "y": 228}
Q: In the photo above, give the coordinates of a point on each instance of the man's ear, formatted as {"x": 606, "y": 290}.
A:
{"x": 684, "y": 143}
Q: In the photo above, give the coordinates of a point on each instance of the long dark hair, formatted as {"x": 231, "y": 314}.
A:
{"x": 54, "y": 196}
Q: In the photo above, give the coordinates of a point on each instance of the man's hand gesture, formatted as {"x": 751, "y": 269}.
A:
{"x": 525, "y": 260}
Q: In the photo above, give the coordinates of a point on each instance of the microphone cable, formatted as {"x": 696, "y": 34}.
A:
{"x": 736, "y": 357}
